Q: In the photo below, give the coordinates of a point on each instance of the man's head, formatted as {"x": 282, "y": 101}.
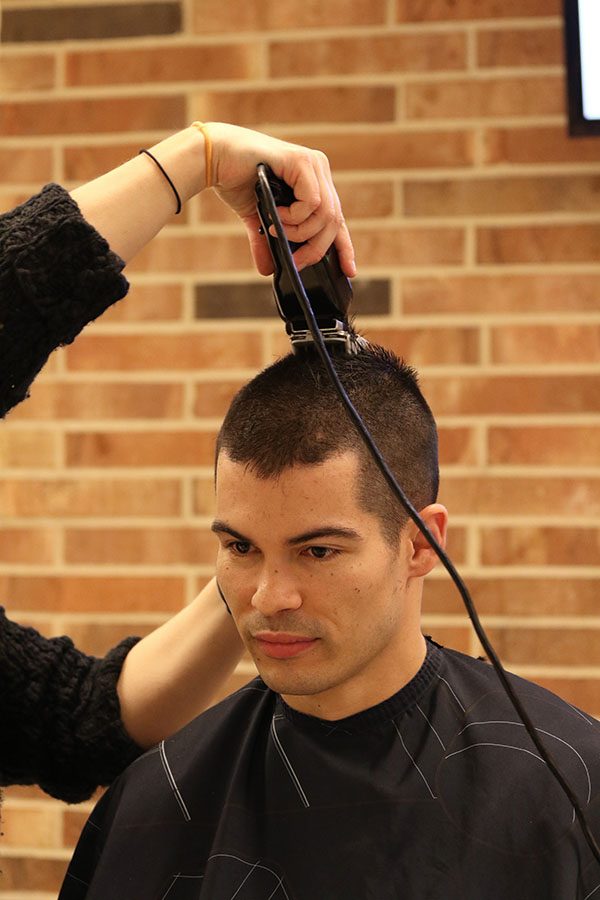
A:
{"x": 290, "y": 415}
{"x": 319, "y": 566}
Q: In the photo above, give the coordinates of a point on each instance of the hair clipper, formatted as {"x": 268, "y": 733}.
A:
{"x": 326, "y": 286}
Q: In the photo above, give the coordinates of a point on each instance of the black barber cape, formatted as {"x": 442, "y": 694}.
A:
{"x": 435, "y": 794}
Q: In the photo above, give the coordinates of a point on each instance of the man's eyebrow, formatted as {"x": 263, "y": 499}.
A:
{"x": 326, "y": 531}
{"x": 219, "y": 526}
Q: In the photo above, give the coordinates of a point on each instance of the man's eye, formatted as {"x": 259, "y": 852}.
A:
{"x": 240, "y": 547}
{"x": 321, "y": 552}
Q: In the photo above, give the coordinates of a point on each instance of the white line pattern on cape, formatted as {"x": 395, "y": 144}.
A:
{"x": 491, "y": 744}
{"x": 413, "y": 762}
{"x": 549, "y": 734}
{"x": 597, "y": 888}
{"x": 173, "y": 783}
{"x": 256, "y": 865}
{"x": 178, "y": 877}
{"x": 591, "y": 722}
{"x": 288, "y": 764}
{"x": 244, "y": 880}
{"x": 452, "y": 691}
{"x": 431, "y": 726}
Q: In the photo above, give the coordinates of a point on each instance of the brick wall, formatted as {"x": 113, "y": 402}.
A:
{"x": 477, "y": 227}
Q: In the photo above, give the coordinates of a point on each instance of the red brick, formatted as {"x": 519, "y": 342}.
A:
{"x": 107, "y": 400}
{"x": 521, "y": 495}
{"x": 28, "y": 545}
{"x": 366, "y": 199}
{"x": 486, "y": 98}
{"x": 391, "y": 149}
{"x": 135, "y": 546}
{"x": 368, "y": 55}
{"x": 11, "y": 199}
{"x": 552, "y": 243}
{"x": 512, "y": 596}
{"x": 577, "y": 292}
{"x": 147, "y": 303}
{"x": 81, "y": 497}
{"x": 20, "y": 873}
{"x": 40, "y": 828}
{"x": 193, "y": 254}
{"x": 213, "y": 398}
{"x": 73, "y": 822}
{"x": 542, "y": 144}
{"x": 433, "y": 10}
{"x": 26, "y": 448}
{"x": 204, "y": 497}
{"x": 193, "y": 62}
{"x": 27, "y": 73}
{"x": 88, "y": 116}
{"x": 172, "y": 352}
{"x": 511, "y": 394}
{"x": 408, "y": 246}
{"x": 499, "y": 196}
{"x": 98, "y": 636}
{"x": 140, "y": 448}
{"x": 581, "y": 692}
{"x": 456, "y": 637}
{"x": 307, "y": 104}
{"x": 543, "y": 343}
{"x": 540, "y": 546}
{"x": 29, "y": 164}
{"x": 520, "y": 47}
{"x": 458, "y": 446}
{"x": 546, "y": 647}
{"x": 429, "y": 346}
{"x": 214, "y": 16}
{"x": 545, "y": 445}
{"x": 105, "y": 594}
{"x": 82, "y": 163}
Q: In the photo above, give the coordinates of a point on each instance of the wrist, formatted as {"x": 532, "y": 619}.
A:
{"x": 183, "y": 157}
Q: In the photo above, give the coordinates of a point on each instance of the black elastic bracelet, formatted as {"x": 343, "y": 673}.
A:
{"x": 222, "y": 596}
{"x": 175, "y": 191}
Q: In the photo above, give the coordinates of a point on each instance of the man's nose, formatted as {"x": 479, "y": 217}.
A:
{"x": 275, "y": 592}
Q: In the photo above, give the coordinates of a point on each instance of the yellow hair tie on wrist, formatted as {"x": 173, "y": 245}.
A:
{"x": 203, "y": 129}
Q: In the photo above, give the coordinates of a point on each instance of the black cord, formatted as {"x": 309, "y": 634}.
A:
{"x": 311, "y": 322}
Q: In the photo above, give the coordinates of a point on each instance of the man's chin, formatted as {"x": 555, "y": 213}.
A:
{"x": 293, "y": 683}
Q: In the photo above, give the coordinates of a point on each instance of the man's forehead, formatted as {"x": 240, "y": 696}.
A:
{"x": 324, "y": 488}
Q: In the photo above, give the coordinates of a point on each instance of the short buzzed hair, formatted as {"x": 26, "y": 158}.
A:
{"x": 290, "y": 415}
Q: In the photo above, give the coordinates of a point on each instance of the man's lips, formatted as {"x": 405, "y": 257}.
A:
{"x": 280, "y": 645}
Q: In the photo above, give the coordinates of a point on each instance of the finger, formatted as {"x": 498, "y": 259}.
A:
{"x": 303, "y": 177}
{"x": 324, "y": 223}
{"x": 345, "y": 249}
{"x": 343, "y": 241}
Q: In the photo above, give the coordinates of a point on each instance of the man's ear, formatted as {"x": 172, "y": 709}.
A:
{"x": 423, "y": 557}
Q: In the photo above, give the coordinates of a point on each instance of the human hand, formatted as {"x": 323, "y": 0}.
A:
{"x": 315, "y": 218}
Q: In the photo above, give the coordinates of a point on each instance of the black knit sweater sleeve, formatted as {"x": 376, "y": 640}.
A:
{"x": 60, "y": 723}
{"x": 56, "y": 275}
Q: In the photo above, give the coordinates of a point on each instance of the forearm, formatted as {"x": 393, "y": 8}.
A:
{"x": 173, "y": 674}
{"x": 129, "y": 205}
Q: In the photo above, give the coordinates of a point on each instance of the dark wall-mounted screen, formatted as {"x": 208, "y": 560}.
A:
{"x": 582, "y": 34}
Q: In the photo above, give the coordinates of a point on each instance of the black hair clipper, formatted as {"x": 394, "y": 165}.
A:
{"x": 327, "y": 288}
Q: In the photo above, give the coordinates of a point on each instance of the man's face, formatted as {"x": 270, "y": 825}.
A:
{"x": 321, "y": 600}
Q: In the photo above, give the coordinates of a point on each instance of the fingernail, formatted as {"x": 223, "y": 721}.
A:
{"x": 352, "y": 267}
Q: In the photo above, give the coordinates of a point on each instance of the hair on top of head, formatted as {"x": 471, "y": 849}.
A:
{"x": 290, "y": 415}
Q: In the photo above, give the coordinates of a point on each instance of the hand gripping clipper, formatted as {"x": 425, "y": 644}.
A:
{"x": 327, "y": 288}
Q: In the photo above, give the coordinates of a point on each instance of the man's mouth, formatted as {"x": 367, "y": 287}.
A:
{"x": 280, "y": 645}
